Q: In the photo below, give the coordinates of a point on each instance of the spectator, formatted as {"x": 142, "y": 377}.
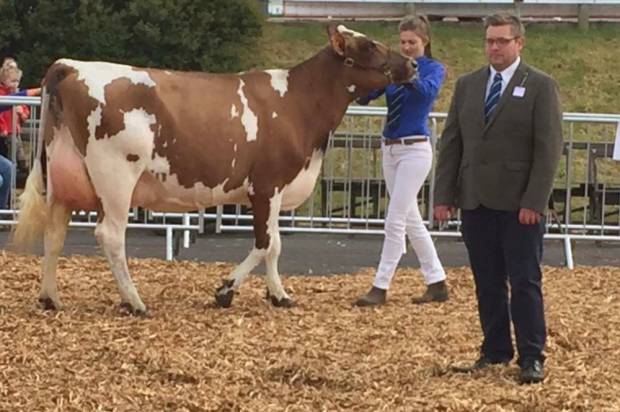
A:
{"x": 10, "y": 78}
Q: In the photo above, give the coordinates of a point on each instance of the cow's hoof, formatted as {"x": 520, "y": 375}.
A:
{"x": 282, "y": 303}
{"x": 223, "y": 299}
{"x": 48, "y": 304}
{"x": 127, "y": 308}
{"x": 224, "y": 294}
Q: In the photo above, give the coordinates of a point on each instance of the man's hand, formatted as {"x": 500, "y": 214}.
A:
{"x": 528, "y": 216}
{"x": 443, "y": 212}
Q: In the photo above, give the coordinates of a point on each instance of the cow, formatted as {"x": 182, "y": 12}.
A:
{"x": 114, "y": 136}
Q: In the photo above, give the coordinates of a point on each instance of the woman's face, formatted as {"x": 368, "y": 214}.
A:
{"x": 411, "y": 44}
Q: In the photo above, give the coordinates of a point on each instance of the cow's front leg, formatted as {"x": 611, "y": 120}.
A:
{"x": 225, "y": 293}
{"x": 275, "y": 290}
{"x": 266, "y": 211}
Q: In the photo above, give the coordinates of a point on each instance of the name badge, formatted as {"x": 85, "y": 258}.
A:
{"x": 518, "y": 91}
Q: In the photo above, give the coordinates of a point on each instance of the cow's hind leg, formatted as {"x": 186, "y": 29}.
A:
{"x": 54, "y": 239}
{"x": 267, "y": 246}
{"x": 115, "y": 199}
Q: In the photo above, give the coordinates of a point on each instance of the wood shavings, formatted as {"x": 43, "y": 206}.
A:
{"x": 323, "y": 354}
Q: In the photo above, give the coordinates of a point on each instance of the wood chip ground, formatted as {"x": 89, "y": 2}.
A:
{"x": 321, "y": 355}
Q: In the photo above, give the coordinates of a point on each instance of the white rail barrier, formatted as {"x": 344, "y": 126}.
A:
{"x": 350, "y": 196}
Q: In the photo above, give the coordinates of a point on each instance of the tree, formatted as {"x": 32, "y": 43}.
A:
{"x": 207, "y": 35}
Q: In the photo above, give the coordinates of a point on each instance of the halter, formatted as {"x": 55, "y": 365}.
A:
{"x": 383, "y": 68}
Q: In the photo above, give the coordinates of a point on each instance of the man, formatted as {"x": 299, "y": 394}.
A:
{"x": 497, "y": 159}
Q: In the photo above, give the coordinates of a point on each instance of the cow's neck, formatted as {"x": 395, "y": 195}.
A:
{"x": 325, "y": 94}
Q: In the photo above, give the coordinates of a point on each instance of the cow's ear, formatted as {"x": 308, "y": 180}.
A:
{"x": 336, "y": 39}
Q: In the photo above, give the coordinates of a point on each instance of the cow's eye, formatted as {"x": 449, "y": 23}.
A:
{"x": 370, "y": 47}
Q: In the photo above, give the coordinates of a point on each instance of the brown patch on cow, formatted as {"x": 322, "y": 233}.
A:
{"x": 260, "y": 210}
{"x": 133, "y": 158}
{"x": 123, "y": 96}
{"x": 70, "y": 105}
{"x": 198, "y": 139}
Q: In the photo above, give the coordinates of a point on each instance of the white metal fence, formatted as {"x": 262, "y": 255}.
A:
{"x": 599, "y": 9}
{"x": 350, "y": 195}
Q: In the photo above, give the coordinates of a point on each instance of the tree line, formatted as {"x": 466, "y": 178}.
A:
{"x": 201, "y": 35}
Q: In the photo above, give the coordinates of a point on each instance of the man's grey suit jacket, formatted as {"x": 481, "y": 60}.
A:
{"x": 510, "y": 162}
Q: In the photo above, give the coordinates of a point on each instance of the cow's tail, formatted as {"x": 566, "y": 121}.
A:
{"x": 32, "y": 202}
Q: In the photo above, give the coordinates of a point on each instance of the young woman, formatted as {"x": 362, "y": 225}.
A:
{"x": 407, "y": 159}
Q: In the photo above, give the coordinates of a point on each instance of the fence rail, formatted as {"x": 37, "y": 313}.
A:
{"x": 350, "y": 195}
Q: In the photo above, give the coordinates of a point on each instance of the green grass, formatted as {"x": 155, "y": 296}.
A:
{"x": 584, "y": 64}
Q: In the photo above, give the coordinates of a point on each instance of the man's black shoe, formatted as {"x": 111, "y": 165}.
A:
{"x": 532, "y": 371}
{"x": 481, "y": 363}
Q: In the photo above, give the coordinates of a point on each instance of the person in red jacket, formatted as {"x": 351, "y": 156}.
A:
{"x": 10, "y": 78}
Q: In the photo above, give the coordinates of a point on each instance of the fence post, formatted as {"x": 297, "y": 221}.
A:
{"x": 169, "y": 245}
{"x": 218, "y": 218}
{"x": 518, "y": 7}
{"x": 568, "y": 252}
{"x": 431, "y": 185}
{"x": 583, "y": 17}
{"x": 409, "y": 8}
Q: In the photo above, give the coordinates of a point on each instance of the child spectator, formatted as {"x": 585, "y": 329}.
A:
{"x": 10, "y": 78}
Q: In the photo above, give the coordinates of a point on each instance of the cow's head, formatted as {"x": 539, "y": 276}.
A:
{"x": 378, "y": 66}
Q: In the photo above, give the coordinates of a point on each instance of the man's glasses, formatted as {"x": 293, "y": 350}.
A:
{"x": 500, "y": 41}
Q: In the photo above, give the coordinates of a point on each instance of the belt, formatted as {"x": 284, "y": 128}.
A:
{"x": 405, "y": 140}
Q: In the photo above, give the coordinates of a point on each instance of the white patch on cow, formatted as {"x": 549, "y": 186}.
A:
{"x": 248, "y": 118}
{"x": 136, "y": 138}
{"x": 279, "y": 80}
{"x": 232, "y": 165}
{"x": 251, "y": 189}
{"x": 233, "y": 112}
{"x": 113, "y": 177}
{"x": 168, "y": 72}
{"x": 235, "y": 147}
{"x": 97, "y": 75}
{"x": 272, "y": 278}
{"x": 351, "y": 88}
{"x": 94, "y": 120}
{"x": 159, "y": 165}
{"x": 199, "y": 195}
{"x": 344, "y": 30}
{"x": 275, "y": 204}
{"x": 298, "y": 190}
{"x": 274, "y": 115}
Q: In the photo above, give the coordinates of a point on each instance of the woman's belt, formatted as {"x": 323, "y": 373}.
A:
{"x": 407, "y": 140}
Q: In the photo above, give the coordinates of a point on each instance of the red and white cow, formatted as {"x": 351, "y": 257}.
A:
{"x": 117, "y": 136}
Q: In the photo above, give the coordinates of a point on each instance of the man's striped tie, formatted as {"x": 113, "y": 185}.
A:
{"x": 493, "y": 97}
{"x": 395, "y": 106}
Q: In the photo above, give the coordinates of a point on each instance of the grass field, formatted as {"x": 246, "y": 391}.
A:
{"x": 584, "y": 64}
